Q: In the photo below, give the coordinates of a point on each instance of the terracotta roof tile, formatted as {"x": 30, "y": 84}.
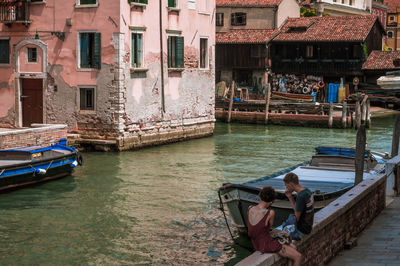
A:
{"x": 335, "y": 28}
{"x": 392, "y": 4}
{"x": 248, "y": 3}
{"x": 381, "y": 60}
{"x": 245, "y": 36}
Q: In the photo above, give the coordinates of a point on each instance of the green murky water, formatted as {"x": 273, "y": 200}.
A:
{"x": 159, "y": 205}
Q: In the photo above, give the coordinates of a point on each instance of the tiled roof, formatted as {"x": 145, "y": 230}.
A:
{"x": 245, "y": 36}
{"x": 248, "y": 3}
{"x": 334, "y": 28}
{"x": 381, "y": 60}
{"x": 392, "y": 4}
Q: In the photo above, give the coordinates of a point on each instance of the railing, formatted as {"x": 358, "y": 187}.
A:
{"x": 316, "y": 66}
{"x": 14, "y": 11}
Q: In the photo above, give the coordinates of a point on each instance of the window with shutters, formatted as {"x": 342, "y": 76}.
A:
{"x": 238, "y": 19}
{"x": 87, "y": 2}
{"x": 86, "y": 98}
{"x": 173, "y": 3}
{"x": 175, "y": 52}
{"x": 4, "y": 51}
{"x": 203, "y": 52}
{"x": 137, "y": 50}
{"x": 89, "y": 50}
{"x": 32, "y": 54}
{"x": 390, "y": 34}
{"x": 138, "y": 1}
{"x": 219, "y": 19}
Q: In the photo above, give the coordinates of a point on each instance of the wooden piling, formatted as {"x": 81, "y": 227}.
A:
{"x": 368, "y": 121}
{"x": 330, "y": 119}
{"x": 344, "y": 114}
{"x": 359, "y": 155}
{"x": 364, "y": 110}
{"x": 231, "y": 102}
{"x": 267, "y": 101}
{"x": 358, "y": 115}
{"x": 395, "y": 138}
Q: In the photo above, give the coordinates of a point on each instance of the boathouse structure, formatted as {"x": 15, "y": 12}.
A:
{"x": 328, "y": 47}
{"x": 243, "y": 30}
{"x": 120, "y": 74}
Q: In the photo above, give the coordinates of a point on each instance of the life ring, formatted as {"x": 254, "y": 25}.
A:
{"x": 321, "y": 84}
{"x": 79, "y": 158}
{"x": 306, "y": 90}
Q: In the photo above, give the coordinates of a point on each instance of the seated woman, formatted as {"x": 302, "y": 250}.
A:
{"x": 260, "y": 221}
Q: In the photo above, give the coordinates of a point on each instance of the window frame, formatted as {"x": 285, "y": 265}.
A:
{"x": 309, "y": 51}
{"x": 392, "y": 32}
{"x": 219, "y": 17}
{"x": 391, "y": 18}
{"x": 28, "y": 54}
{"x": 176, "y": 6}
{"x": 132, "y": 46}
{"x": 93, "y": 89}
{"x": 192, "y": 5}
{"x": 9, "y": 52}
{"x": 78, "y": 50}
{"x": 206, "y": 56}
{"x": 236, "y": 15}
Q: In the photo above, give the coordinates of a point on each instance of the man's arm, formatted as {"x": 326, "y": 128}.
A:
{"x": 291, "y": 200}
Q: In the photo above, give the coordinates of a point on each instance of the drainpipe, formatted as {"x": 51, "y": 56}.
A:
{"x": 162, "y": 63}
{"x": 275, "y": 17}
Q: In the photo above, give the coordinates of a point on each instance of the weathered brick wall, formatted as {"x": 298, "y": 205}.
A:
{"x": 334, "y": 225}
{"x": 32, "y": 137}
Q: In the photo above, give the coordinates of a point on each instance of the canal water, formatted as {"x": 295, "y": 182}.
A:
{"x": 158, "y": 205}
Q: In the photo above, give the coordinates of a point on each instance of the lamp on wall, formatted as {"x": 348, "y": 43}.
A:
{"x": 37, "y": 35}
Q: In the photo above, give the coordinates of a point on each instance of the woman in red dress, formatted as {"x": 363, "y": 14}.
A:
{"x": 260, "y": 221}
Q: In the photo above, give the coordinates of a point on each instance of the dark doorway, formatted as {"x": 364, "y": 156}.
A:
{"x": 32, "y": 101}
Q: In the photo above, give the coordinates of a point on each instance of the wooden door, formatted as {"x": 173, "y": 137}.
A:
{"x": 32, "y": 101}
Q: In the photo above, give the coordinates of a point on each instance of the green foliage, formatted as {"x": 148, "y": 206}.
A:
{"x": 308, "y": 12}
{"x": 365, "y": 50}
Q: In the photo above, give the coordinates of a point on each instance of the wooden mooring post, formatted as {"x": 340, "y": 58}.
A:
{"x": 231, "y": 102}
{"x": 358, "y": 115}
{"x": 368, "y": 121}
{"x": 395, "y": 138}
{"x": 267, "y": 101}
{"x": 344, "y": 114}
{"x": 364, "y": 110}
{"x": 360, "y": 154}
{"x": 330, "y": 117}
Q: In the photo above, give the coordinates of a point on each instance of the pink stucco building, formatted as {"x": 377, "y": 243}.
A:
{"x": 122, "y": 74}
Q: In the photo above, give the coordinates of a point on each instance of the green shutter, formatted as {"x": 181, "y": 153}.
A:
{"x": 143, "y": 1}
{"x": 171, "y": 3}
{"x": 97, "y": 51}
{"x": 4, "y": 51}
{"x": 179, "y": 52}
{"x": 169, "y": 51}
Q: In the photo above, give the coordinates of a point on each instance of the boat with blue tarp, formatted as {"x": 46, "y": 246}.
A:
{"x": 329, "y": 174}
{"x": 34, "y": 164}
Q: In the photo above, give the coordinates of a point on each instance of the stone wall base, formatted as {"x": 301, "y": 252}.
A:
{"x": 144, "y": 139}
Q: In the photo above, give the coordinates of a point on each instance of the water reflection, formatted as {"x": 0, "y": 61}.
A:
{"x": 157, "y": 205}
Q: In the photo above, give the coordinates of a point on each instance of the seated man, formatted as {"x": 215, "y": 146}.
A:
{"x": 303, "y": 206}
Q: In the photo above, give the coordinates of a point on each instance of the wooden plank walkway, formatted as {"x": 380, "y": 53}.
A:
{"x": 378, "y": 244}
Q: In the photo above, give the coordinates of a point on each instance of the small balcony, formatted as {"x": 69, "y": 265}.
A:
{"x": 12, "y": 12}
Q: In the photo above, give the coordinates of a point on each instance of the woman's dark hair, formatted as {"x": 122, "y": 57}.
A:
{"x": 267, "y": 194}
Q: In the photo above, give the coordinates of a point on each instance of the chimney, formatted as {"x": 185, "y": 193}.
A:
{"x": 319, "y": 6}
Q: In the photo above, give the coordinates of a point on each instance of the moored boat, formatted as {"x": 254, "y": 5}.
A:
{"x": 329, "y": 174}
{"x": 30, "y": 165}
{"x": 292, "y": 96}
